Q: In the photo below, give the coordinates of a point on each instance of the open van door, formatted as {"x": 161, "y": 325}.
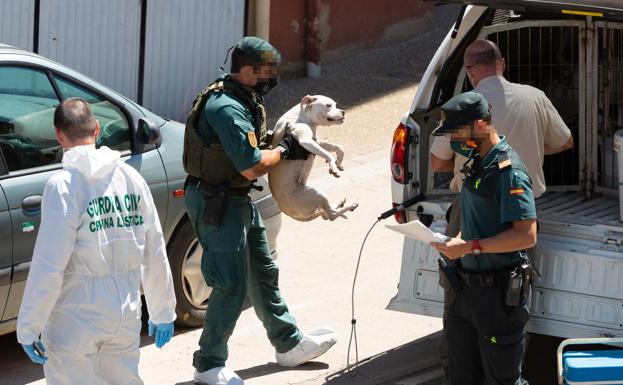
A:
{"x": 573, "y": 51}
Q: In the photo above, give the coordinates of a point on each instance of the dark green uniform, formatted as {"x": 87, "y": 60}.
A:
{"x": 485, "y": 336}
{"x": 236, "y": 260}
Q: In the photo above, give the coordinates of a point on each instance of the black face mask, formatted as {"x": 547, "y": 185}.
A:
{"x": 262, "y": 87}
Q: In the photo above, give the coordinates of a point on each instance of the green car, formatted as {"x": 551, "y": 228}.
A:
{"x": 31, "y": 87}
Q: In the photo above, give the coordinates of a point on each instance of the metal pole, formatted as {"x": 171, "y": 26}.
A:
{"x": 312, "y": 41}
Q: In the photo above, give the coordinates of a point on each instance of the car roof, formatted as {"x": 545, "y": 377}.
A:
{"x": 606, "y": 7}
{"x": 9, "y": 49}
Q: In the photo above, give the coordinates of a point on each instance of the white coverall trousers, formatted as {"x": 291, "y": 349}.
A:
{"x": 94, "y": 345}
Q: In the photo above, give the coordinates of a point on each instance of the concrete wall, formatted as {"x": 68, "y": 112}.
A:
{"x": 344, "y": 26}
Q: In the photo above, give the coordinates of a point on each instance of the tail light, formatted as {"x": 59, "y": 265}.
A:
{"x": 398, "y": 163}
{"x": 398, "y": 157}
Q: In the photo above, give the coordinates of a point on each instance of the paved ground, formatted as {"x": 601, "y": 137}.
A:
{"x": 318, "y": 259}
{"x": 383, "y": 80}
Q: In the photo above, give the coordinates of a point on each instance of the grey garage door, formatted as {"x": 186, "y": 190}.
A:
{"x": 182, "y": 47}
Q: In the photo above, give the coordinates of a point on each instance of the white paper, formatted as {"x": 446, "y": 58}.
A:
{"x": 417, "y": 230}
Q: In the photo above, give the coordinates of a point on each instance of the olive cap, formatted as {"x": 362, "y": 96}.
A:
{"x": 462, "y": 110}
{"x": 259, "y": 50}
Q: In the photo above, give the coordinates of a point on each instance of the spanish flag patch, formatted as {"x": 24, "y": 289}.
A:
{"x": 516, "y": 191}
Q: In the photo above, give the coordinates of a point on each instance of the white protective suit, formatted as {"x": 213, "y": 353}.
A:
{"x": 99, "y": 238}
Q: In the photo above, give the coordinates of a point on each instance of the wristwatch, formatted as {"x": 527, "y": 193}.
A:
{"x": 476, "y": 249}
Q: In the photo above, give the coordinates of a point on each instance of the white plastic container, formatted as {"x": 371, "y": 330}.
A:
{"x": 618, "y": 148}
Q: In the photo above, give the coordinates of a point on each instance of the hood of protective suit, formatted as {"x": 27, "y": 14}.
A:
{"x": 93, "y": 163}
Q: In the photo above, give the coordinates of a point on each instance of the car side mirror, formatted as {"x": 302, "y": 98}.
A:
{"x": 148, "y": 133}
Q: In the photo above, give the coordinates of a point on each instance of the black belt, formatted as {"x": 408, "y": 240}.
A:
{"x": 194, "y": 181}
{"x": 483, "y": 279}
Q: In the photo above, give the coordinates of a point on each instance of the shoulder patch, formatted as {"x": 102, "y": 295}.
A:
{"x": 504, "y": 160}
{"x": 218, "y": 86}
{"x": 252, "y": 138}
{"x": 516, "y": 185}
{"x": 504, "y": 163}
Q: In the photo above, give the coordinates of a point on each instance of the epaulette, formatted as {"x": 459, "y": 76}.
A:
{"x": 504, "y": 161}
{"x": 216, "y": 86}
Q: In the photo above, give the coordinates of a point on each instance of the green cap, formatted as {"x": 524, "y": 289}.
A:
{"x": 462, "y": 110}
{"x": 259, "y": 50}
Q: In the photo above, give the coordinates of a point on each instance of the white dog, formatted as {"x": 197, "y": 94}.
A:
{"x": 288, "y": 179}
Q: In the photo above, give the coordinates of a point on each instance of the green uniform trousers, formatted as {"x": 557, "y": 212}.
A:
{"x": 236, "y": 263}
{"x": 485, "y": 338}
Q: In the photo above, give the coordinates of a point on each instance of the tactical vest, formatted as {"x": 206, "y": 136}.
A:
{"x": 484, "y": 181}
{"x": 209, "y": 161}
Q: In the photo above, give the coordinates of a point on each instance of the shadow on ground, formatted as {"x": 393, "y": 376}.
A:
{"x": 540, "y": 360}
{"x": 15, "y": 363}
{"x": 386, "y": 368}
{"x": 417, "y": 363}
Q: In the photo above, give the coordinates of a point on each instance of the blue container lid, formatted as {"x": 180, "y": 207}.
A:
{"x": 594, "y": 365}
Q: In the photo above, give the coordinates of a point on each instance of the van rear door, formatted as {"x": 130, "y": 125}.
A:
{"x": 576, "y": 60}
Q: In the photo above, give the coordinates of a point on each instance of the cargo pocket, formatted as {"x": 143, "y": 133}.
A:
{"x": 503, "y": 354}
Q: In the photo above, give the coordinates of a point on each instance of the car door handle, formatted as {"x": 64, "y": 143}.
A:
{"x": 31, "y": 205}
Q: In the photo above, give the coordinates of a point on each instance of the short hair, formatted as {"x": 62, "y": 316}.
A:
{"x": 483, "y": 52}
{"x": 75, "y": 119}
{"x": 239, "y": 60}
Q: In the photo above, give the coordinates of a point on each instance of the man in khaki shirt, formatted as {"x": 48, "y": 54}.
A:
{"x": 520, "y": 112}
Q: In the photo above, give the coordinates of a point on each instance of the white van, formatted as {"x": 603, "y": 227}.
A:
{"x": 572, "y": 51}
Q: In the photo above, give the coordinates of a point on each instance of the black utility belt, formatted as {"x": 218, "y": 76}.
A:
{"x": 515, "y": 281}
{"x": 484, "y": 279}
{"x": 204, "y": 186}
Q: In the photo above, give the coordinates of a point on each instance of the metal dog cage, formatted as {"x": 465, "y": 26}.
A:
{"x": 579, "y": 66}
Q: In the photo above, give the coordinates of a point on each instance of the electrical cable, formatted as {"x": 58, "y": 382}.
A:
{"x": 352, "y": 371}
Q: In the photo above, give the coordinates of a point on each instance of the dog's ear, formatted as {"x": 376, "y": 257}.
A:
{"x": 307, "y": 100}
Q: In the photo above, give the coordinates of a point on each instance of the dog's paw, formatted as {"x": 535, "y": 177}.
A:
{"x": 333, "y": 167}
{"x": 354, "y": 206}
{"x": 340, "y": 167}
{"x": 341, "y": 204}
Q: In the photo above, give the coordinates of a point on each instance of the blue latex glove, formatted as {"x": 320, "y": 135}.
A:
{"x": 162, "y": 333}
{"x": 38, "y": 357}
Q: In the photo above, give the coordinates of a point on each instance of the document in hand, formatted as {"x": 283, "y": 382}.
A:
{"x": 417, "y": 230}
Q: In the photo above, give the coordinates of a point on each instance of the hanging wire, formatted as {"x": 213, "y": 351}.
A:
{"x": 352, "y": 370}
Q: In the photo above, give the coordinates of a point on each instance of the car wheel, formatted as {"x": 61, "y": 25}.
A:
{"x": 191, "y": 290}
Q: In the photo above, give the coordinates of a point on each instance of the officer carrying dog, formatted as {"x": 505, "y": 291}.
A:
{"x": 485, "y": 321}
{"x": 225, "y": 150}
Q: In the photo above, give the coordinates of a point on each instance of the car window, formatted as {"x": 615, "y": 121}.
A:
{"x": 27, "y": 103}
{"x": 114, "y": 127}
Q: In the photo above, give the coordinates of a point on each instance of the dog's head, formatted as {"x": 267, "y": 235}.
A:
{"x": 322, "y": 110}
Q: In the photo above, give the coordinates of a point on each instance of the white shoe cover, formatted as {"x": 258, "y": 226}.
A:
{"x": 218, "y": 376}
{"x": 311, "y": 346}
